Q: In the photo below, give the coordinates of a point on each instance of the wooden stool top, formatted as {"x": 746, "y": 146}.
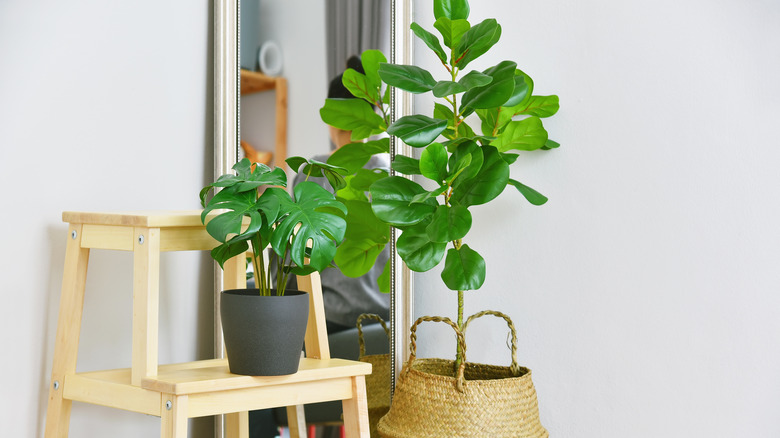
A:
{"x": 152, "y": 219}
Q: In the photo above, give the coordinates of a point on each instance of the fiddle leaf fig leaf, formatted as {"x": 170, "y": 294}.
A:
{"x": 530, "y": 194}
{"x": 476, "y": 41}
{"x": 452, "y": 9}
{"x": 466, "y": 160}
{"x": 451, "y": 30}
{"x": 384, "y": 279}
{"x": 520, "y": 92}
{"x": 371, "y": 60}
{"x": 354, "y": 115}
{"x": 306, "y": 224}
{"x": 464, "y": 269}
{"x": 447, "y": 88}
{"x": 550, "y": 144}
{"x": 433, "y": 162}
{"x": 407, "y": 77}
{"x": 358, "y": 84}
{"x": 487, "y": 184}
{"x": 417, "y": 130}
{"x": 475, "y": 79}
{"x": 449, "y": 223}
{"x": 406, "y": 165}
{"x": 430, "y": 40}
{"x": 494, "y": 119}
{"x": 423, "y": 198}
{"x": 541, "y": 106}
{"x": 353, "y": 156}
{"x": 365, "y": 237}
{"x": 525, "y": 135}
{"x": 391, "y": 201}
{"x": 418, "y": 252}
{"x": 497, "y": 92}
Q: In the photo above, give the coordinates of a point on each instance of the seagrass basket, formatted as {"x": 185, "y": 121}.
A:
{"x": 433, "y": 399}
{"x": 378, "y": 382}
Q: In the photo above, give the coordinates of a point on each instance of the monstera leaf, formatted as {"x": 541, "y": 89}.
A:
{"x": 308, "y": 221}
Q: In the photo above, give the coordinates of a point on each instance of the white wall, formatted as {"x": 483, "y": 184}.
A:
{"x": 103, "y": 106}
{"x": 646, "y": 292}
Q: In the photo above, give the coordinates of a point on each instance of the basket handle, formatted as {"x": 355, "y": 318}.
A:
{"x": 461, "y": 340}
{"x": 361, "y": 340}
{"x": 515, "y": 368}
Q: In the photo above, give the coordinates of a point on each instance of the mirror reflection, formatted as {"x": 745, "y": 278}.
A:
{"x": 291, "y": 61}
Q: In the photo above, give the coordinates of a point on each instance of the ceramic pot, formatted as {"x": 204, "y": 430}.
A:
{"x": 264, "y": 334}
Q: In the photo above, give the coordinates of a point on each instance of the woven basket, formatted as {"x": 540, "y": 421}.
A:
{"x": 433, "y": 400}
{"x": 378, "y": 382}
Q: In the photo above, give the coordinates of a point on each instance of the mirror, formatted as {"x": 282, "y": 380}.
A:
{"x": 278, "y": 115}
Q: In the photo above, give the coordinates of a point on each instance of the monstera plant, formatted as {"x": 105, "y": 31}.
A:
{"x": 482, "y": 120}
{"x": 303, "y": 231}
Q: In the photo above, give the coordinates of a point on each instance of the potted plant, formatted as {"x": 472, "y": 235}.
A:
{"x": 480, "y": 123}
{"x": 264, "y": 327}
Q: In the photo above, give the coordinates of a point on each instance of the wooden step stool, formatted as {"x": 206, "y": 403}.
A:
{"x": 194, "y": 389}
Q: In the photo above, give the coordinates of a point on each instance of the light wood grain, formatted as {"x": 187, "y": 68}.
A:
{"x": 356, "y": 410}
{"x": 173, "y": 416}
{"x": 146, "y": 302}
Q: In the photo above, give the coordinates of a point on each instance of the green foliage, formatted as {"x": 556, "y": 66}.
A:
{"x": 465, "y": 168}
{"x": 304, "y": 229}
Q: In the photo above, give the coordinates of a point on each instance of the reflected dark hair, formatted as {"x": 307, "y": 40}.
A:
{"x": 337, "y": 90}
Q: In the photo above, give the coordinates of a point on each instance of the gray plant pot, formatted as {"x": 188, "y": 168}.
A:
{"x": 263, "y": 334}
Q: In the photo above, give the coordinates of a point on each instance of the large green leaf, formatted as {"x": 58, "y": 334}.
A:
{"x": 371, "y": 60}
{"x": 541, "y": 106}
{"x": 497, "y": 92}
{"x": 407, "y": 77}
{"x": 451, "y": 30}
{"x": 307, "y": 224}
{"x": 550, "y": 144}
{"x": 358, "y": 84}
{"x": 417, "y": 250}
{"x": 475, "y": 79}
{"x": 447, "y": 88}
{"x": 433, "y": 162}
{"x": 494, "y": 119}
{"x": 364, "y": 240}
{"x": 466, "y": 158}
{"x": 520, "y": 92}
{"x": 353, "y": 156}
{"x": 384, "y": 279}
{"x": 354, "y": 115}
{"x": 417, "y": 130}
{"x": 464, "y": 269}
{"x": 530, "y": 194}
{"x": 406, "y": 165}
{"x": 452, "y": 9}
{"x": 476, "y": 41}
{"x": 449, "y": 223}
{"x": 391, "y": 200}
{"x": 430, "y": 40}
{"x": 318, "y": 169}
{"x": 487, "y": 184}
{"x": 525, "y": 135}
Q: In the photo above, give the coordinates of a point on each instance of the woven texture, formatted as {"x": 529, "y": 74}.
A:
{"x": 378, "y": 382}
{"x": 494, "y": 401}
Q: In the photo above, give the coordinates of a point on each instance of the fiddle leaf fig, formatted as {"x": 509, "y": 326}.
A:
{"x": 391, "y": 200}
{"x": 451, "y": 30}
{"x": 371, "y": 59}
{"x": 541, "y": 106}
{"x": 407, "y": 77}
{"x": 430, "y": 40}
{"x": 476, "y": 41}
{"x": 452, "y": 9}
{"x": 525, "y": 135}
{"x": 365, "y": 237}
{"x": 358, "y": 84}
{"x": 487, "y": 184}
{"x": 433, "y": 162}
{"x": 417, "y": 130}
{"x": 449, "y": 224}
{"x": 354, "y": 115}
{"x": 418, "y": 252}
{"x": 530, "y": 194}
{"x": 464, "y": 269}
{"x": 497, "y": 91}
{"x": 406, "y": 165}
{"x": 353, "y": 156}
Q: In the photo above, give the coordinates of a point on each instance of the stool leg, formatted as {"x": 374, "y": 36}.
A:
{"x": 173, "y": 416}
{"x": 296, "y": 421}
{"x": 146, "y": 303}
{"x": 68, "y": 329}
{"x": 356, "y": 410}
{"x": 237, "y": 425}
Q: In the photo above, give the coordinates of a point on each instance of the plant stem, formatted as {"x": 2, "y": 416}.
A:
{"x": 459, "y": 355}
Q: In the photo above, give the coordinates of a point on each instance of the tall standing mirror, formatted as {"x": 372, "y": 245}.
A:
{"x": 273, "y": 69}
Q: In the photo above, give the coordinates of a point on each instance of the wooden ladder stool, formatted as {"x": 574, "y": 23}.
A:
{"x": 177, "y": 392}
